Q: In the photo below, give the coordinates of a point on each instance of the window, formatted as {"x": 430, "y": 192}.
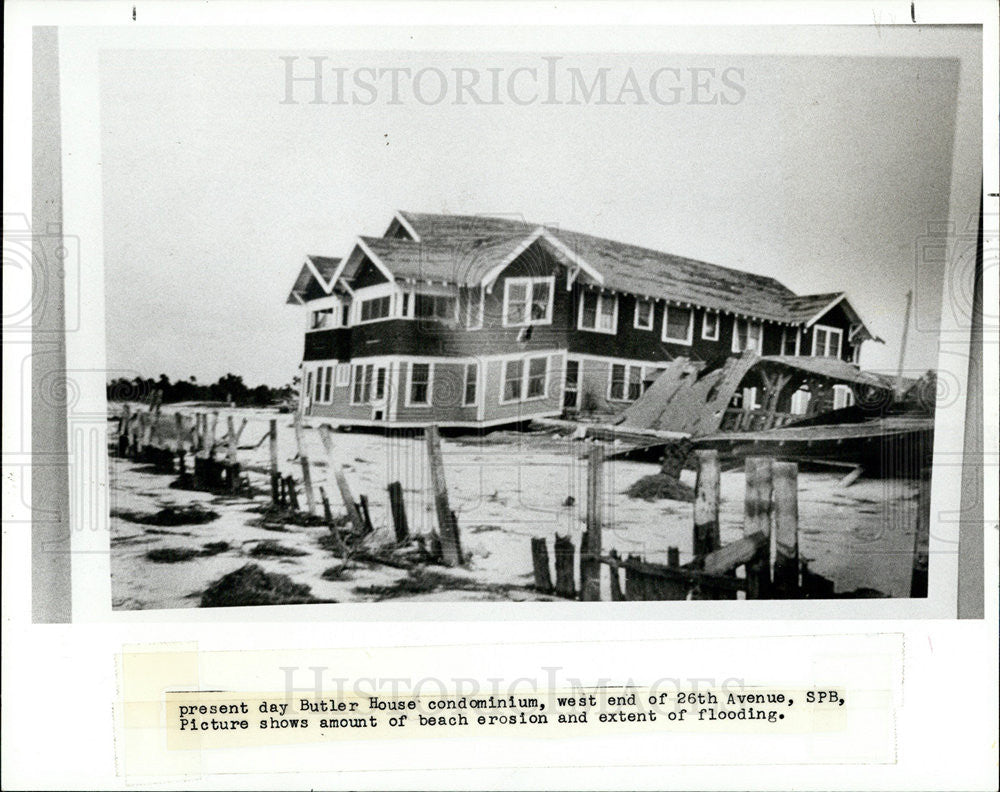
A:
{"x": 511, "y": 381}
{"x": 626, "y": 382}
{"x": 710, "y": 326}
{"x": 471, "y": 378}
{"x": 377, "y": 308}
{"x": 433, "y": 306}
{"x": 800, "y": 402}
{"x": 748, "y": 334}
{"x": 571, "y": 389}
{"x": 598, "y": 312}
{"x": 419, "y": 392}
{"x": 525, "y": 379}
{"x": 322, "y": 318}
{"x": 826, "y": 341}
{"x": 751, "y": 399}
{"x": 361, "y": 393}
{"x": 404, "y": 307}
{"x": 527, "y": 301}
{"x": 343, "y": 375}
{"x": 789, "y": 341}
{"x": 678, "y": 324}
{"x": 345, "y": 319}
{"x": 537, "y": 370}
{"x": 309, "y": 384}
{"x": 327, "y": 383}
{"x": 643, "y": 315}
{"x": 380, "y": 383}
{"x": 319, "y": 385}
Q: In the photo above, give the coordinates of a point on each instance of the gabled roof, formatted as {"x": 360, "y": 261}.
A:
{"x": 305, "y": 286}
{"x": 471, "y": 249}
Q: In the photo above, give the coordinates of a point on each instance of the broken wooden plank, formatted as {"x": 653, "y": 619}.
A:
{"x": 451, "y": 548}
{"x": 540, "y": 564}
{"x": 564, "y": 552}
{"x": 784, "y": 551}
{"x": 590, "y": 547}
{"x": 727, "y": 558}
{"x": 357, "y": 521}
{"x": 397, "y": 508}
{"x": 757, "y": 519}
{"x": 706, "y": 503}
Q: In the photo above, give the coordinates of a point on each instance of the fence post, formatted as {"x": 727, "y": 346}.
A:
{"x": 293, "y": 498}
{"x": 590, "y": 547}
{"x": 352, "y": 508}
{"x": 397, "y": 508}
{"x": 451, "y": 548}
{"x": 328, "y": 516}
{"x": 757, "y": 519}
{"x": 564, "y": 553}
{"x": 784, "y": 547}
{"x": 272, "y": 447}
{"x": 617, "y": 595}
{"x": 304, "y": 461}
{"x": 706, "y": 504}
{"x": 540, "y": 562}
{"x": 921, "y": 538}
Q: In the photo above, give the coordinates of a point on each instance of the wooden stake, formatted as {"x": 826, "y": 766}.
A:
{"x": 706, "y": 503}
{"x": 921, "y": 539}
{"x": 784, "y": 545}
{"x": 272, "y": 448}
{"x": 617, "y": 595}
{"x": 397, "y": 508}
{"x": 212, "y": 425}
{"x": 328, "y": 515}
{"x": 590, "y": 549}
{"x": 293, "y": 498}
{"x": 365, "y": 513}
{"x": 352, "y": 508}
{"x": 564, "y": 552}
{"x": 757, "y": 519}
{"x": 540, "y": 562}
{"x": 673, "y": 557}
{"x": 451, "y": 546}
{"x": 304, "y": 461}
{"x": 230, "y": 440}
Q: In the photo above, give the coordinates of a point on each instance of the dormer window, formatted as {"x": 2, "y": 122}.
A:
{"x": 527, "y": 301}
{"x": 321, "y": 318}
{"x": 826, "y": 341}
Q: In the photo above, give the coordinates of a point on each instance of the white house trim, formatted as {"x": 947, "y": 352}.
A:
{"x": 406, "y": 225}
{"x": 689, "y": 338}
{"x": 327, "y": 287}
{"x": 409, "y": 385}
{"x": 539, "y": 233}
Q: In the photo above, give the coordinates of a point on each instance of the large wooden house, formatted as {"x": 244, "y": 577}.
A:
{"x": 474, "y": 321}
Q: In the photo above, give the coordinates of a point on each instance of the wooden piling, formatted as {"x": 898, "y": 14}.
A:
{"x": 617, "y": 595}
{"x": 338, "y": 540}
{"x": 564, "y": 552}
{"x": 673, "y": 557}
{"x": 784, "y": 544}
{"x": 757, "y": 520}
{"x": 397, "y": 508}
{"x": 123, "y": 424}
{"x": 213, "y": 423}
{"x": 451, "y": 546}
{"x": 921, "y": 538}
{"x": 706, "y": 503}
{"x": 590, "y": 547}
{"x": 272, "y": 446}
{"x": 366, "y": 514}
{"x": 304, "y": 462}
{"x": 540, "y": 562}
{"x": 293, "y": 498}
{"x": 357, "y": 521}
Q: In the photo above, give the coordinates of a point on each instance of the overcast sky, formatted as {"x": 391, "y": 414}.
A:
{"x": 824, "y": 174}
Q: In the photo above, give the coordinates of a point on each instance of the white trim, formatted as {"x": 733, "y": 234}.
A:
{"x": 832, "y": 304}
{"x": 539, "y": 233}
{"x": 830, "y": 331}
{"x": 690, "y": 328}
{"x": 409, "y": 384}
{"x": 530, "y": 281}
{"x": 597, "y": 316}
{"x": 718, "y": 325}
{"x": 333, "y": 421}
{"x": 760, "y": 346}
{"x": 524, "y": 361}
{"x": 628, "y": 371}
{"x": 652, "y": 314}
{"x": 327, "y": 287}
{"x": 398, "y": 216}
{"x": 465, "y": 385}
{"x": 376, "y": 261}
{"x": 579, "y": 379}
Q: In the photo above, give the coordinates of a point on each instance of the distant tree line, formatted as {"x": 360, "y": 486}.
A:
{"x": 229, "y": 388}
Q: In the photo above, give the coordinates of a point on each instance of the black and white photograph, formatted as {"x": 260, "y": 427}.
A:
{"x": 519, "y": 326}
{"x": 500, "y": 395}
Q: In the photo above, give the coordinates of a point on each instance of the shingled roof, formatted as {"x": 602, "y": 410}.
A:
{"x": 465, "y": 249}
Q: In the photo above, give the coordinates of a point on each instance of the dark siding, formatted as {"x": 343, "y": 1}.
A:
{"x": 328, "y": 344}
{"x": 367, "y": 275}
{"x": 835, "y": 317}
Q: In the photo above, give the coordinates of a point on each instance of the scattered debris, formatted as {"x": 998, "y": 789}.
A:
{"x": 172, "y": 555}
{"x": 251, "y": 585}
{"x": 192, "y": 514}
{"x": 272, "y": 549}
{"x": 660, "y": 486}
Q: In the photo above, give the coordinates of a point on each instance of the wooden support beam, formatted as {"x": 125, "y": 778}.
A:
{"x": 757, "y": 519}
{"x": 727, "y": 558}
{"x": 272, "y": 447}
{"x": 784, "y": 545}
{"x": 357, "y": 521}
{"x": 397, "y": 508}
{"x": 617, "y": 594}
{"x": 365, "y": 513}
{"x": 451, "y": 546}
{"x": 590, "y": 548}
{"x": 706, "y": 503}
{"x": 564, "y": 552}
{"x": 540, "y": 563}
